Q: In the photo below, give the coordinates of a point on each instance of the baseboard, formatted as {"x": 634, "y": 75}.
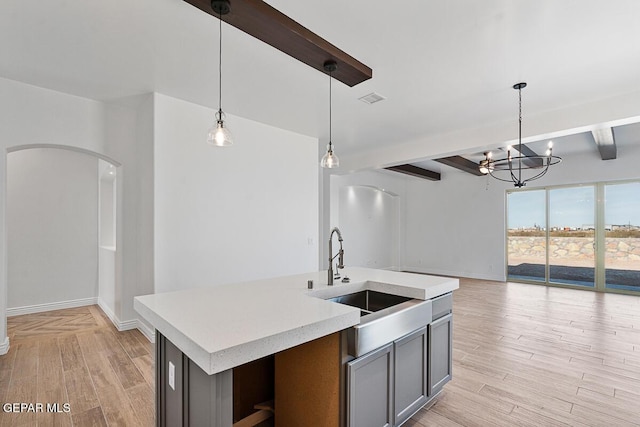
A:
{"x": 469, "y": 275}
{"x": 128, "y": 324}
{"x": 4, "y": 347}
{"x": 110, "y": 314}
{"x": 147, "y": 331}
{"x": 38, "y": 308}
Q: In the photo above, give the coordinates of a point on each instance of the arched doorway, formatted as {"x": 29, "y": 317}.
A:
{"x": 61, "y": 228}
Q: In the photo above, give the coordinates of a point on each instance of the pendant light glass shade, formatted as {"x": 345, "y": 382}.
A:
{"x": 330, "y": 160}
{"x": 219, "y": 135}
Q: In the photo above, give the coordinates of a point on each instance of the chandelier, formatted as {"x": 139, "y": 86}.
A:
{"x": 511, "y": 168}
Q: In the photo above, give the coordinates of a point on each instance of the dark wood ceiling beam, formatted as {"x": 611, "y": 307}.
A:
{"x": 606, "y": 143}
{"x": 462, "y": 164}
{"x": 416, "y": 171}
{"x": 534, "y": 162}
{"x": 262, "y": 21}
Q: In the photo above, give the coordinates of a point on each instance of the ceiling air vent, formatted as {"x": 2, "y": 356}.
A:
{"x": 372, "y": 98}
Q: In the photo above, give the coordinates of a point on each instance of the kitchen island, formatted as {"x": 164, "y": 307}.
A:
{"x": 203, "y": 335}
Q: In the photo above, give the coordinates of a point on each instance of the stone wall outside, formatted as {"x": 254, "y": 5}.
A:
{"x": 620, "y": 252}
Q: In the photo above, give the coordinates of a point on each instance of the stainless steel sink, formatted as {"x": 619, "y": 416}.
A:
{"x": 384, "y": 318}
{"x": 370, "y": 301}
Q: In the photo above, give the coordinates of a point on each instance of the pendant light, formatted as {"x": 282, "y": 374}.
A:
{"x": 219, "y": 135}
{"x": 516, "y": 165}
{"x": 330, "y": 160}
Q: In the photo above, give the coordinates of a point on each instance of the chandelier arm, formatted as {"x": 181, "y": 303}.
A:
{"x": 498, "y": 178}
{"x": 513, "y": 177}
{"x": 502, "y": 164}
{"x": 540, "y": 175}
{"x": 546, "y": 168}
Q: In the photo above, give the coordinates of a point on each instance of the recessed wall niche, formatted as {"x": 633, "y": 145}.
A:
{"x": 368, "y": 217}
{"x": 107, "y": 191}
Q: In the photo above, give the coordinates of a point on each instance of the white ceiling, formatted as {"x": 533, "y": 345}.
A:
{"x": 443, "y": 65}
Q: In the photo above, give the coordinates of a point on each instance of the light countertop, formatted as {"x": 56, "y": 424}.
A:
{"x": 225, "y": 326}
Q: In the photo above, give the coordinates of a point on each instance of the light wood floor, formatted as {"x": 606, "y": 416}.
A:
{"x": 528, "y": 355}
{"x": 524, "y": 355}
{"x": 76, "y": 356}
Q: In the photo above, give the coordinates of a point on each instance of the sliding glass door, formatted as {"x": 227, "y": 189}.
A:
{"x": 526, "y": 235}
{"x": 585, "y": 236}
{"x": 572, "y": 236}
{"x": 622, "y": 236}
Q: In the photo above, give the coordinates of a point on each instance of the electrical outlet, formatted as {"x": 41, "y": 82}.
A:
{"x": 172, "y": 376}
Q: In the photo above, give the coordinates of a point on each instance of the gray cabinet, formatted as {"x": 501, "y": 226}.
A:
{"x": 440, "y": 353}
{"x": 410, "y": 363}
{"x": 387, "y": 386}
{"x": 370, "y": 389}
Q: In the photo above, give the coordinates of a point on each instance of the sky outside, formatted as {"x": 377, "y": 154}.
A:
{"x": 574, "y": 207}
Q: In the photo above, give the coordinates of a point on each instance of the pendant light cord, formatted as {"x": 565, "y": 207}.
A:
{"x": 330, "y": 103}
{"x": 220, "y": 68}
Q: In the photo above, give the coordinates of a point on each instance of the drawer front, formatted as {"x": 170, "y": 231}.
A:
{"x": 441, "y": 306}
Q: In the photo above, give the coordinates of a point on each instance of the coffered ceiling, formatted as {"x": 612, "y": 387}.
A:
{"x": 624, "y": 138}
{"x": 445, "y": 67}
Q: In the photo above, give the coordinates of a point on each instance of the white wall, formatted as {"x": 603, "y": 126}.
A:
{"x": 370, "y": 216}
{"x": 31, "y": 115}
{"x": 129, "y": 139}
{"x": 367, "y": 207}
{"x": 52, "y": 226}
{"x": 231, "y": 214}
{"x": 456, "y": 226}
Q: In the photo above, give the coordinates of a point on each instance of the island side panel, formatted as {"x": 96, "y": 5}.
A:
{"x": 187, "y": 395}
{"x": 210, "y": 397}
{"x": 307, "y": 384}
{"x": 169, "y": 397}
